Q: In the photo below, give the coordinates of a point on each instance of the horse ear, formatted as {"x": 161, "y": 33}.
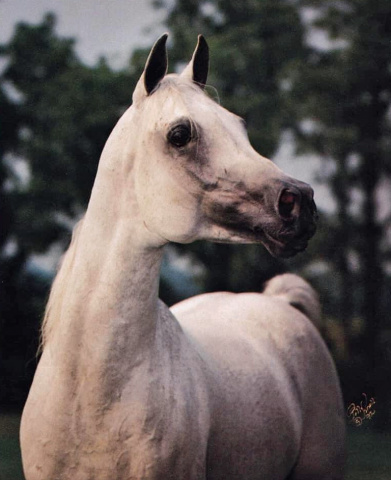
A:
{"x": 154, "y": 70}
{"x": 197, "y": 69}
{"x": 156, "y": 66}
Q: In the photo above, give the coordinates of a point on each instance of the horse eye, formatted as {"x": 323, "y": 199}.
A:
{"x": 180, "y": 135}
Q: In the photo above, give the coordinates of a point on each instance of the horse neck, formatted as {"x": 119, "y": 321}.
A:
{"x": 107, "y": 295}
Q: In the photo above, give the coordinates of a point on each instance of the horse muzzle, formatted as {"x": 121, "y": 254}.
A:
{"x": 295, "y": 219}
{"x": 280, "y": 214}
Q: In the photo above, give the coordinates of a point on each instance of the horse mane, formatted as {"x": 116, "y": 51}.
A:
{"x": 53, "y": 308}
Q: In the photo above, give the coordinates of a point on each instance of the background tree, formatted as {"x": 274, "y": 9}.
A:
{"x": 68, "y": 112}
{"x": 346, "y": 91}
{"x": 11, "y": 260}
{"x": 56, "y": 114}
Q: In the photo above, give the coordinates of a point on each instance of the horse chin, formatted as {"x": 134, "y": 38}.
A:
{"x": 279, "y": 245}
{"x": 277, "y": 248}
{"x": 281, "y": 249}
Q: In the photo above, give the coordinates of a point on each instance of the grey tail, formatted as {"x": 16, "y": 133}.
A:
{"x": 298, "y": 293}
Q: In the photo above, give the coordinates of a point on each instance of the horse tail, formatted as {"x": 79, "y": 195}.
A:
{"x": 298, "y": 293}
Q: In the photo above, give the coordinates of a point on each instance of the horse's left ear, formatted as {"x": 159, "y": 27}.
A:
{"x": 197, "y": 69}
{"x": 155, "y": 69}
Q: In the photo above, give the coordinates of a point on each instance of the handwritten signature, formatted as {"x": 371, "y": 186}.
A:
{"x": 361, "y": 412}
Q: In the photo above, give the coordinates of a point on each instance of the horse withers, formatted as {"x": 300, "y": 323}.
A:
{"x": 222, "y": 386}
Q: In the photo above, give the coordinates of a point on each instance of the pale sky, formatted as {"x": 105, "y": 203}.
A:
{"x": 112, "y": 28}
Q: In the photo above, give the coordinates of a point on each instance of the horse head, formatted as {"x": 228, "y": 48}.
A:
{"x": 196, "y": 175}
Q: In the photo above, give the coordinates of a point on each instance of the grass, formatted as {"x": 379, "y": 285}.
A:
{"x": 369, "y": 452}
{"x": 10, "y": 462}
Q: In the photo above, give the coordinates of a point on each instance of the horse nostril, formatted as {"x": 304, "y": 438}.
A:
{"x": 287, "y": 202}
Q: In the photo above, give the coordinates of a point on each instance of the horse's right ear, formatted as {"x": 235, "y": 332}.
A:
{"x": 197, "y": 69}
{"x": 154, "y": 70}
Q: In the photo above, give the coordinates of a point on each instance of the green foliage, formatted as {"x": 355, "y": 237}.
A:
{"x": 68, "y": 111}
{"x": 56, "y": 114}
{"x": 346, "y": 91}
{"x": 254, "y": 47}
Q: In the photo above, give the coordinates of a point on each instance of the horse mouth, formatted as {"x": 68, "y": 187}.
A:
{"x": 283, "y": 238}
{"x": 285, "y": 248}
{"x": 279, "y": 246}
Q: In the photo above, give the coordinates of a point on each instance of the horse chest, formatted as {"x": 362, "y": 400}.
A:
{"x": 140, "y": 437}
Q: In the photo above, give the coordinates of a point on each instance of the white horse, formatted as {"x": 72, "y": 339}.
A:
{"x": 222, "y": 386}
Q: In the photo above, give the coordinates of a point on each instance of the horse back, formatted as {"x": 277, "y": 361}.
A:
{"x": 273, "y": 384}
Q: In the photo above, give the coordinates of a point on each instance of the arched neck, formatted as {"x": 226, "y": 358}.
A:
{"x": 111, "y": 289}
